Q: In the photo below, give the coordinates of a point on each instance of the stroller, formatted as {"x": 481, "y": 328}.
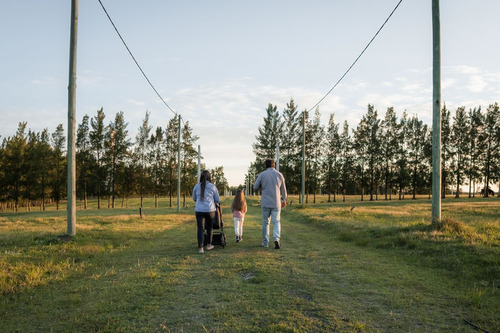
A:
{"x": 218, "y": 237}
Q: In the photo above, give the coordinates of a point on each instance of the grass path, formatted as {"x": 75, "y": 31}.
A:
{"x": 122, "y": 274}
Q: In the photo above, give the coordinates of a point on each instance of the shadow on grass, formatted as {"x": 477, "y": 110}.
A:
{"x": 451, "y": 245}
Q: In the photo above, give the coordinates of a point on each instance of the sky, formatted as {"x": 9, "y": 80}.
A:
{"x": 220, "y": 63}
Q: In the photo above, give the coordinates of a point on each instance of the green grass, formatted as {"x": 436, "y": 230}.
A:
{"x": 380, "y": 267}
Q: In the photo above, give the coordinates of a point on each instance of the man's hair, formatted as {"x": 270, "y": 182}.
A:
{"x": 270, "y": 163}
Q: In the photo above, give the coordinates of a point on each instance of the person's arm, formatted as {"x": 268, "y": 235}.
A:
{"x": 194, "y": 193}
{"x": 258, "y": 181}
{"x": 284, "y": 195}
{"x": 216, "y": 194}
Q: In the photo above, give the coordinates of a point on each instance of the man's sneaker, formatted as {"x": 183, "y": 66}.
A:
{"x": 277, "y": 244}
{"x": 264, "y": 244}
{"x": 201, "y": 250}
{"x": 210, "y": 247}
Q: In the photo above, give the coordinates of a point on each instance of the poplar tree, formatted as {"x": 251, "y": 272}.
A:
{"x": 389, "y": 146}
{"x": 96, "y": 136}
{"x": 417, "y": 133}
{"x": 476, "y": 123}
{"x": 315, "y": 155}
{"x": 219, "y": 179}
{"x": 85, "y": 162}
{"x": 171, "y": 133}
{"x": 116, "y": 154}
{"x": 460, "y": 131}
{"x": 13, "y": 156}
{"x": 189, "y": 164}
{"x": 44, "y": 166}
{"x": 445, "y": 149}
{"x": 31, "y": 190}
{"x": 308, "y": 147}
{"x": 290, "y": 158}
{"x": 427, "y": 165}
{"x": 490, "y": 138}
{"x": 367, "y": 145}
{"x": 332, "y": 158}
{"x": 157, "y": 148}
{"x": 142, "y": 155}
{"x": 265, "y": 146}
{"x": 59, "y": 174}
{"x": 373, "y": 146}
{"x": 402, "y": 175}
{"x": 346, "y": 160}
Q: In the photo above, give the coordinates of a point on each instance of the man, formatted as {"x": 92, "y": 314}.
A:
{"x": 273, "y": 199}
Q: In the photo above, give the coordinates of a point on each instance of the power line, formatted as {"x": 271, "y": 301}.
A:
{"x": 355, "y": 61}
{"x": 144, "y": 74}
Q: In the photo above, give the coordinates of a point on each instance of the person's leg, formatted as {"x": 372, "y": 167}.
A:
{"x": 209, "y": 225}
{"x": 275, "y": 217}
{"x": 241, "y": 227}
{"x": 200, "y": 223}
{"x": 266, "y": 213}
{"x": 236, "y": 226}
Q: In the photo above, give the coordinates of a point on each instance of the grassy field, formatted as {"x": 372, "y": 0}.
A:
{"x": 377, "y": 267}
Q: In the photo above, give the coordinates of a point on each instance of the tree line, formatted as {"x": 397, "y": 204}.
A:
{"x": 387, "y": 156}
{"x": 109, "y": 166}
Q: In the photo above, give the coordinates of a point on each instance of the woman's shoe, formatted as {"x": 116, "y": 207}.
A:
{"x": 201, "y": 250}
{"x": 210, "y": 247}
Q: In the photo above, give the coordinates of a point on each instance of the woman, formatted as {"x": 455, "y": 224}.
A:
{"x": 205, "y": 195}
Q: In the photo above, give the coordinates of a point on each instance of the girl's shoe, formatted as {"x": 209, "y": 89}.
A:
{"x": 237, "y": 239}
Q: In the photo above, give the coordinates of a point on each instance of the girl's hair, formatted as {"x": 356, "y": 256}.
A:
{"x": 204, "y": 178}
{"x": 239, "y": 202}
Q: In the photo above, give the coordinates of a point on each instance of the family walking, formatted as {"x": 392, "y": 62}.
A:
{"x": 274, "y": 195}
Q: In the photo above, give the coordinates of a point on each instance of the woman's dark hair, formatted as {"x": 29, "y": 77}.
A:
{"x": 204, "y": 178}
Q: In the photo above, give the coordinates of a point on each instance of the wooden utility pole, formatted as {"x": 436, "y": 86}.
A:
{"x": 199, "y": 165}
{"x": 303, "y": 157}
{"x": 179, "y": 167}
{"x": 71, "y": 154}
{"x": 278, "y": 155}
{"x": 436, "y": 114}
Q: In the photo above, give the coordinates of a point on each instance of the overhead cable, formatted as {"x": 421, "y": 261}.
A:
{"x": 355, "y": 61}
{"x": 144, "y": 74}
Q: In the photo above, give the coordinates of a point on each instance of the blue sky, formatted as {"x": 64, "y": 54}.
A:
{"x": 219, "y": 63}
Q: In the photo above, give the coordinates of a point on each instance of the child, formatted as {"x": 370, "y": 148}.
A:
{"x": 239, "y": 208}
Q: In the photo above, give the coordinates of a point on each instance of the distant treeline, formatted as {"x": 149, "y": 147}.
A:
{"x": 33, "y": 166}
{"x": 385, "y": 157}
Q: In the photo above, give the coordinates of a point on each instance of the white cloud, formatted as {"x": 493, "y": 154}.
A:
{"x": 135, "y": 102}
{"x": 44, "y": 81}
{"x": 476, "y": 84}
{"x": 447, "y": 83}
{"x": 462, "y": 69}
